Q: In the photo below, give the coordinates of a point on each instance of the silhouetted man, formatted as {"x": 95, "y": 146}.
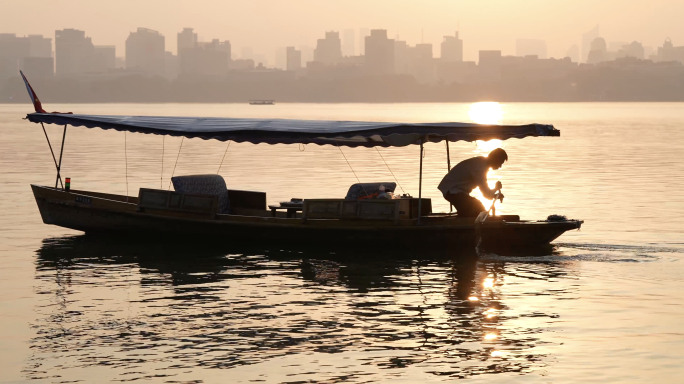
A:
{"x": 466, "y": 176}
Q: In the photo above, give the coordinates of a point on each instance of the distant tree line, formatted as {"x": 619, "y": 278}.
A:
{"x": 587, "y": 83}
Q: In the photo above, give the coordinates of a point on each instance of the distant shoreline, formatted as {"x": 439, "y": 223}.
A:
{"x": 601, "y": 87}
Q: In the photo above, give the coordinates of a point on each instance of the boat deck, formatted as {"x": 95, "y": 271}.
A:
{"x": 394, "y": 223}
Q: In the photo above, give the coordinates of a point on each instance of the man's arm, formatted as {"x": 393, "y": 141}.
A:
{"x": 481, "y": 177}
{"x": 486, "y": 191}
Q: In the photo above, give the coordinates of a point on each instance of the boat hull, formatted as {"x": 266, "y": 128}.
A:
{"x": 99, "y": 213}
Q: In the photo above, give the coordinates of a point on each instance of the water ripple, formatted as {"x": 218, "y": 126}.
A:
{"x": 136, "y": 312}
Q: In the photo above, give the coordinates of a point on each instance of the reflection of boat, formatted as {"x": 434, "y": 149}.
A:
{"x": 168, "y": 258}
{"x": 202, "y": 206}
{"x": 262, "y": 102}
{"x": 251, "y": 306}
{"x": 215, "y": 261}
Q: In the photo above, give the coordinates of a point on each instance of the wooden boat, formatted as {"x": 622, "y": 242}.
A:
{"x": 262, "y": 102}
{"x": 201, "y": 206}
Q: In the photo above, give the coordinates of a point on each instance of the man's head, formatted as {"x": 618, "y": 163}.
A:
{"x": 497, "y": 158}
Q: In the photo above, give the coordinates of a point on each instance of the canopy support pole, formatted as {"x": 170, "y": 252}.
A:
{"x": 420, "y": 183}
{"x": 176, "y": 163}
{"x": 448, "y": 156}
{"x": 451, "y": 206}
{"x": 61, "y": 152}
{"x": 52, "y": 152}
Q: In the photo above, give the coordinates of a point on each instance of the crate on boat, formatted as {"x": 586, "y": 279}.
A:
{"x": 379, "y": 209}
{"x": 175, "y": 201}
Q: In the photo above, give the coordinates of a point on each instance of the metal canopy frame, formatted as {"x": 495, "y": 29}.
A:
{"x": 58, "y": 164}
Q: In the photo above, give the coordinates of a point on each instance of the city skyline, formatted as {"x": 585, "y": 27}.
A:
{"x": 48, "y": 47}
{"x": 267, "y": 27}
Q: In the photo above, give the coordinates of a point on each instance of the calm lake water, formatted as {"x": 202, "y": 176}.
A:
{"x": 604, "y": 306}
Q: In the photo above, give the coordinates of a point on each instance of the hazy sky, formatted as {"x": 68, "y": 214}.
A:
{"x": 266, "y": 25}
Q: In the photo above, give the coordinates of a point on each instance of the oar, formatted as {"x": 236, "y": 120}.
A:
{"x": 498, "y": 195}
{"x": 485, "y": 214}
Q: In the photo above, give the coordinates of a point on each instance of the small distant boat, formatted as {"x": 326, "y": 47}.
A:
{"x": 262, "y": 102}
{"x": 203, "y": 206}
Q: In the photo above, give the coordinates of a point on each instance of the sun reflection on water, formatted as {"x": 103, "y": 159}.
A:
{"x": 484, "y": 147}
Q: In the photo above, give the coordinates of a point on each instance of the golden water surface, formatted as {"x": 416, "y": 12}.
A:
{"x": 603, "y": 306}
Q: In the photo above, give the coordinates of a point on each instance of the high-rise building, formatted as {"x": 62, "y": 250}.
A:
{"x": 76, "y": 55}
{"x": 186, "y": 39}
{"x": 587, "y": 39}
{"x": 349, "y": 42}
{"x": 668, "y": 52}
{"x": 202, "y": 58}
{"x": 73, "y": 52}
{"x": 39, "y": 46}
{"x": 424, "y": 51}
{"x": 145, "y": 51}
{"x": 634, "y": 49}
{"x": 452, "y": 49}
{"x": 416, "y": 61}
{"x": 598, "y": 51}
{"x": 379, "y": 53}
{"x": 206, "y": 58}
{"x": 12, "y": 51}
{"x": 294, "y": 59}
{"x": 423, "y": 63}
{"x": 329, "y": 49}
{"x": 403, "y": 58}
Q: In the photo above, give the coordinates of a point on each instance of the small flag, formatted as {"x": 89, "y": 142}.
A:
{"x": 32, "y": 95}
